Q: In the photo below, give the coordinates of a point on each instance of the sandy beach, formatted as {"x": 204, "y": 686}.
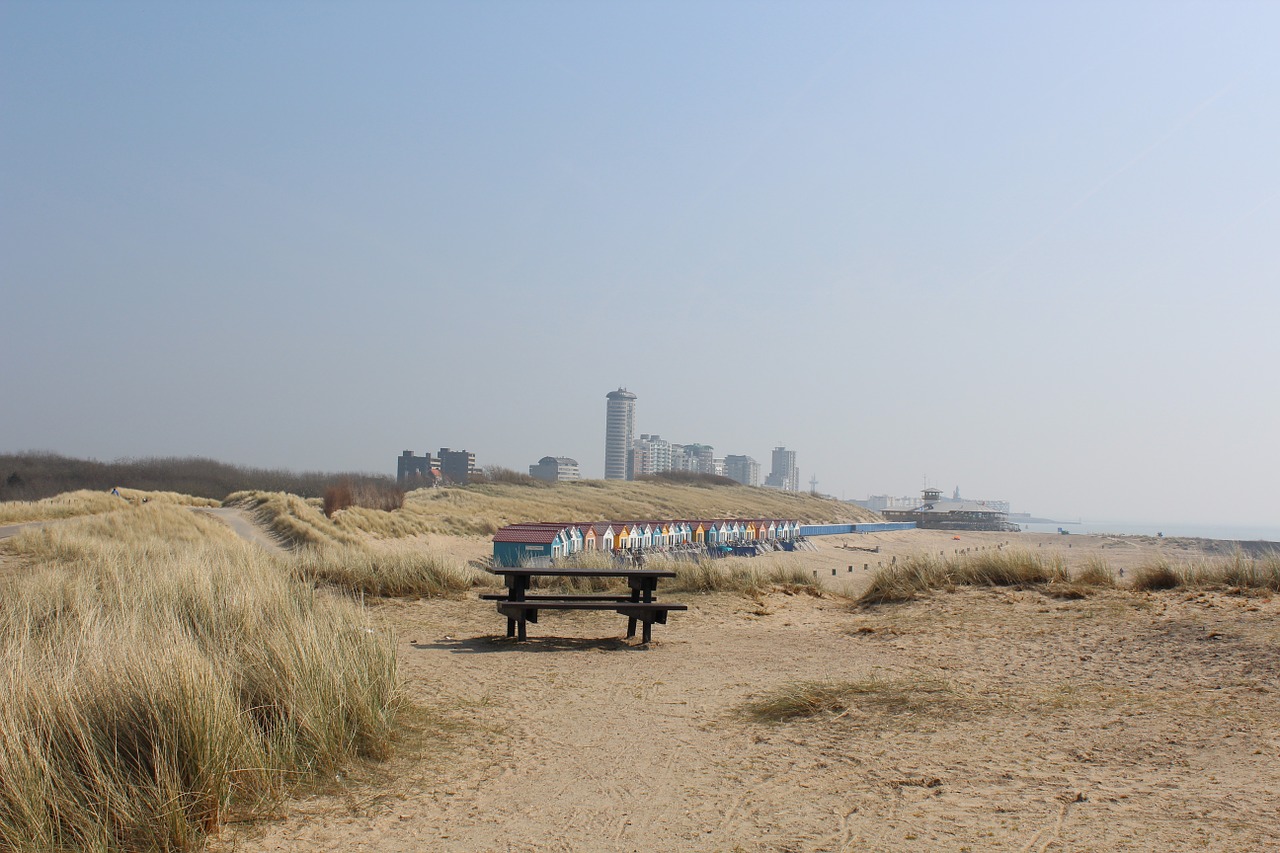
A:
{"x": 1122, "y": 721}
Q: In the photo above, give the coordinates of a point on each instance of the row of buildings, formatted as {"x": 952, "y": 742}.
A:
{"x": 537, "y": 543}
{"x": 627, "y": 456}
{"x": 448, "y": 466}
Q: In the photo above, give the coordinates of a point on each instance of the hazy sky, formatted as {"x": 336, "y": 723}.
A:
{"x": 1029, "y": 249}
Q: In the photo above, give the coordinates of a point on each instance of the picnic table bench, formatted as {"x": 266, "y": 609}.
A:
{"x": 521, "y": 606}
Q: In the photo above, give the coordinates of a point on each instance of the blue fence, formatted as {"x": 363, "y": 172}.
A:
{"x": 835, "y": 529}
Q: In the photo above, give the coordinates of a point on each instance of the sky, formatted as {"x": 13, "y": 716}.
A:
{"x": 1025, "y": 249}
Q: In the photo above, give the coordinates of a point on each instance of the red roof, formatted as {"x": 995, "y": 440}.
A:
{"x": 533, "y": 535}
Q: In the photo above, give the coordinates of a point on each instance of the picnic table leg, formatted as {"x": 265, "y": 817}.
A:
{"x": 511, "y": 626}
{"x": 631, "y": 627}
{"x": 523, "y": 635}
{"x": 648, "y": 630}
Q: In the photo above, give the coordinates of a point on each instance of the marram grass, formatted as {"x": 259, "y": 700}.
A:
{"x": 908, "y": 578}
{"x": 160, "y": 676}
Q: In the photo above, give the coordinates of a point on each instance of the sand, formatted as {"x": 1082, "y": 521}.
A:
{"x": 1118, "y": 722}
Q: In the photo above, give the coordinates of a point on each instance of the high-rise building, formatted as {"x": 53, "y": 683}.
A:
{"x": 699, "y": 458}
{"x": 619, "y": 431}
{"x": 457, "y": 466}
{"x": 785, "y": 475}
{"x": 415, "y": 470}
{"x": 650, "y": 454}
{"x": 742, "y": 469}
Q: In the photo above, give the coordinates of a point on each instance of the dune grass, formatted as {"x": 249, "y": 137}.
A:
{"x": 904, "y": 580}
{"x": 481, "y": 509}
{"x": 406, "y": 572}
{"x": 160, "y": 677}
{"x": 743, "y": 575}
{"x": 918, "y": 574}
{"x": 86, "y": 502}
{"x": 295, "y": 521}
{"x": 1238, "y": 573}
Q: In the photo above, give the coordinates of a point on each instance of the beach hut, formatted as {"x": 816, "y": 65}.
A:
{"x": 606, "y": 536}
{"x": 573, "y": 535}
{"x": 530, "y": 544}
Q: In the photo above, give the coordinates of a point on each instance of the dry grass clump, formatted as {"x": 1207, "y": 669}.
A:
{"x": 1238, "y": 573}
{"x": 1156, "y": 577}
{"x": 1095, "y": 575}
{"x": 402, "y": 571}
{"x": 87, "y": 502}
{"x": 1008, "y": 568}
{"x": 1096, "y": 572}
{"x": 160, "y": 676}
{"x": 904, "y": 580}
{"x": 804, "y": 699}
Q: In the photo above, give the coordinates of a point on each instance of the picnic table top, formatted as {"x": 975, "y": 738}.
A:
{"x": 570, "y": 572}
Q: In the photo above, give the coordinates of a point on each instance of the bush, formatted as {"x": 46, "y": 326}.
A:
{"x": 499, "y": 474}
{"x": 336, "y": 498}
{"x": 40, "y": 475}
{"x": 690, "y": 478}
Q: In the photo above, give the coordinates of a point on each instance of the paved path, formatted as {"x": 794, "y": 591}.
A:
{"x": 8, "y": 530}
{"x": 243, "y": 526}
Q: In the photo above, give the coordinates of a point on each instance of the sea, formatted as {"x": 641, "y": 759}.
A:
{"x": 1239, "y": 533}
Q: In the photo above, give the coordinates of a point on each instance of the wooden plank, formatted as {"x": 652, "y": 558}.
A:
{"x": 613, "y": 606}
{"x": 505, "y": 571}
{"x": 502, "y": 596}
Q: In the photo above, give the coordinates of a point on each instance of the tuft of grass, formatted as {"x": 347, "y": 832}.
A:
{"x": 904, "y": 580}
{"x": 804, "y": 699}
{"x": 160, "y": 677}
{"x": 1097, "y": 573}
{"x": 1155, "y": 577}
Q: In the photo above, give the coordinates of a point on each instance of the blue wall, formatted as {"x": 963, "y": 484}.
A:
{"x": 833, "y": 529}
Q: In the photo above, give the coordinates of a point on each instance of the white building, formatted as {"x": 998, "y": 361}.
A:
{"x": 619, "y": 431}
{"x": 555, "y": 469}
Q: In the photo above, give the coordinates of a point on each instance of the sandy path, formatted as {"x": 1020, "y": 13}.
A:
{"x": 243, "y": 526}
{"x": 1122, "y": 722}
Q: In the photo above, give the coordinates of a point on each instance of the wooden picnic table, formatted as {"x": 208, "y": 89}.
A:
{"x": 639, "y": 605}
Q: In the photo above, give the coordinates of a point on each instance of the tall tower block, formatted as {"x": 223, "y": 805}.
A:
{"x": 619, "y": 430}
